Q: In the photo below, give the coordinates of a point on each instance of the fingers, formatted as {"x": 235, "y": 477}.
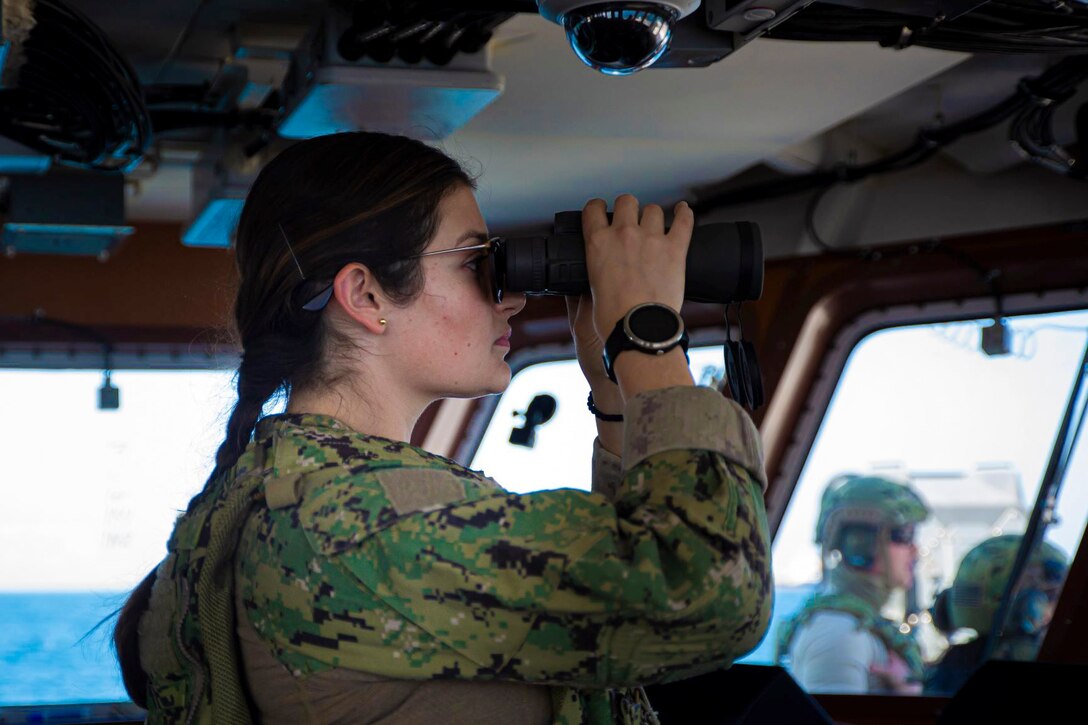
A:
{"x": 683, "y": 223}
{"x": 594, "y": 217}
{"x": 653, "y": 219}
{"x": 625, "y": 211}
{"x": 632, "y": 259}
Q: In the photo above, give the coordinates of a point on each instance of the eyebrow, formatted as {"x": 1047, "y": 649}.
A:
{"x": 470, "y": 235}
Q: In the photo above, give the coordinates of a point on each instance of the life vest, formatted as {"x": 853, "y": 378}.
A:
{"x": 868, "y": 618}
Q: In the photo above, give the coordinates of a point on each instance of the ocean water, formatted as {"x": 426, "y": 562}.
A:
{"x": 50, "y": 655}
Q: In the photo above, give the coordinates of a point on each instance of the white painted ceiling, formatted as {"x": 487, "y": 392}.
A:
{"x": 561, "y": 133}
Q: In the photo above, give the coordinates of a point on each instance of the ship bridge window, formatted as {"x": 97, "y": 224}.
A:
{"x": 90, "y": 497}
{"x": 558, "y": 453}
{"x": 968, "y": 421}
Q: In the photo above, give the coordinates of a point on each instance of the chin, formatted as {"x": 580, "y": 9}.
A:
{"x": 500, "y": 382}
{"x": 494, "y": 385}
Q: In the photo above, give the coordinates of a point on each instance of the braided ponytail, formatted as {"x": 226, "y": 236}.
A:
{"x": 264, "y": 369}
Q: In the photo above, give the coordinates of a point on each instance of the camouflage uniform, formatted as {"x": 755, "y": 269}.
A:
{"x": 974, "y": 598}
{"x": 831, "y": 644}
{"x": 350, "y": 553}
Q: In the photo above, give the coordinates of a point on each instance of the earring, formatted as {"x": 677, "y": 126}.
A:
{"x": 382, "y": 322}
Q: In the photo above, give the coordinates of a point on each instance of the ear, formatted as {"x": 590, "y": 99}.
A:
{"x": 361, "y": 297}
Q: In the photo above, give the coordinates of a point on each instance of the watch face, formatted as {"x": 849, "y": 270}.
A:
{"x": 654, "y": 323}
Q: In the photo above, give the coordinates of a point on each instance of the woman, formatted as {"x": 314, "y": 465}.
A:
{"x": 330, "y": 572}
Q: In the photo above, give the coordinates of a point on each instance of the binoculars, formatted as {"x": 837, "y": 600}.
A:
{"x": 724, "y": 262}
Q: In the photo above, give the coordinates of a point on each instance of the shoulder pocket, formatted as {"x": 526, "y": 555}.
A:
{"x": 339, "y": 509}
{"x": 414, "y": 490}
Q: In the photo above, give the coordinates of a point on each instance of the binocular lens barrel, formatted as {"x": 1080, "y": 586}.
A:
{"x": 724, "y": 262}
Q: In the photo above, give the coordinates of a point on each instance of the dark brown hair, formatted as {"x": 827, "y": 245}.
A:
{"x": 320, "y": 204}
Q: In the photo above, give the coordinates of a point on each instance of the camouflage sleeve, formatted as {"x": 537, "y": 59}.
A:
{"x": 669, "y": 579}
{"x": 607, "y": 470}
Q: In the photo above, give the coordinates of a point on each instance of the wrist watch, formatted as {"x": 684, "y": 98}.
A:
{"x": 650, "y": 328}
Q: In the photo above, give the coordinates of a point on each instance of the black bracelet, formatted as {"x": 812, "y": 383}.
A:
{"x": 617, "y": 418}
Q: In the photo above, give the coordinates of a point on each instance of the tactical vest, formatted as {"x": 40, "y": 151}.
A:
{"x": 187, "y": 643}
{"x": 868, "y": 618}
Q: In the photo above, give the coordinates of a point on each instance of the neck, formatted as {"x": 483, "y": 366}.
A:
{"x": 390, "y": 416}
{"x": 868, "y": 587}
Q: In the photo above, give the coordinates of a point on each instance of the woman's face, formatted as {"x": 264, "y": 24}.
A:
{"x": 453, "y": 338}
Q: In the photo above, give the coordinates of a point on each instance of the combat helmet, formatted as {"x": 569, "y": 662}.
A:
{"x": 857, "y": 511}
{"x": 984, "y": 573}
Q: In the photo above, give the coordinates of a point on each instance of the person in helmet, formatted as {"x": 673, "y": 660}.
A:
{"x": 973, "y": 600}
{"x": 839, "y": 642}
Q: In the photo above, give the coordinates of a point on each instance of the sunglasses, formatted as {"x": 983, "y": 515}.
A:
{"x": 487, "y": 274}
{"x": 901, "y": 535}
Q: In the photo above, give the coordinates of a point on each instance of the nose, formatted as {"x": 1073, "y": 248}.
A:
{"x": 512, "y": 303}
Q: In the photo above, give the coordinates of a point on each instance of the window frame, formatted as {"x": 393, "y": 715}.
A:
{"x": 484, "y": 411}
{"x": 59, "y": 354}
{"x": 831, "y": 345}
{"x": 797, "y": 442}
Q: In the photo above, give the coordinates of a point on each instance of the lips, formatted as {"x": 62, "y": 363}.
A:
{"x": 504, "y": 341}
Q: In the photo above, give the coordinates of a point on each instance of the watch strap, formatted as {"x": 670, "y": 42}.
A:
{"x": 619, "y": 342}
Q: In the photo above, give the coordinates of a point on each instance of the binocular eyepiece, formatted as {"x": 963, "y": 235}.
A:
{"x": 724, "y": 262}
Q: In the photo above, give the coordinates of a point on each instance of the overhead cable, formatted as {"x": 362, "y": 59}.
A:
{"x": 1052, "y": 87}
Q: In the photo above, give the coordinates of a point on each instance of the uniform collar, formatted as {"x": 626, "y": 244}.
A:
{"x": 269, "y": 424}
{"x": 281, "y": 424}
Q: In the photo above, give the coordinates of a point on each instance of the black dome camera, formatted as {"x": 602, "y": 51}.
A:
{"x": 617, "y": 38}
